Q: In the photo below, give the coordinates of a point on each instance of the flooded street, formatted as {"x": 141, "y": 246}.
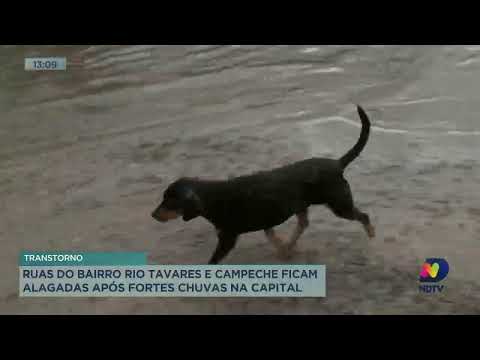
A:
{"x": 86, "y": 153}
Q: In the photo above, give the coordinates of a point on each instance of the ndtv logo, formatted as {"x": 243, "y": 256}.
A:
{"x": 433, "y": 270}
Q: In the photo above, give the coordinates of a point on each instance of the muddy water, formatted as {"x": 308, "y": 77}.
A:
{"x": 86, "y": 153}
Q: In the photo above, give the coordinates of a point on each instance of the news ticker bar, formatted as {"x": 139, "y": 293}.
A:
{"x": 126, "y": 276}
{"x": 45, "y": 63}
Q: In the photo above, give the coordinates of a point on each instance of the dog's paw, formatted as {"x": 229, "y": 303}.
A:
{"x": 285, "y": 252}
{"x": 370, "y": 231}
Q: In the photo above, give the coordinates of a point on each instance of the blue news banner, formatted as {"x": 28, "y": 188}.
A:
{"x": 82, "y": 274}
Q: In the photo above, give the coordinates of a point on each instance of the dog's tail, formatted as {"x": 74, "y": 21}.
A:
{"x": 362, "y": 141}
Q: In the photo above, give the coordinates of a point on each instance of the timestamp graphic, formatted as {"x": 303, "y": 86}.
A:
{"x": 45, "y": 63}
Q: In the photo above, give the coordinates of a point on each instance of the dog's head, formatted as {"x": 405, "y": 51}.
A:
{"x": 180, "y": 199}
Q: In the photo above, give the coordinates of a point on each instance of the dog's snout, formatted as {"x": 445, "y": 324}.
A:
{"x": 157, "y": 215}
{"x": 163, "y": 215}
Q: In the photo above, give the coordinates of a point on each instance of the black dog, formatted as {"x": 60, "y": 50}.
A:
{"x": 266, "y": 199}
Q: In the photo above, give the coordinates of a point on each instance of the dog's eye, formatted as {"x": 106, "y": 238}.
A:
{"x": 171, "y": 198}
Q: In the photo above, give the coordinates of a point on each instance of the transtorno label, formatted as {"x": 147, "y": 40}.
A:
{"x": 173, "y": 281}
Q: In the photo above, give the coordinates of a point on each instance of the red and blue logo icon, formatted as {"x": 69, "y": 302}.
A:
{"x": 434, "y": 270}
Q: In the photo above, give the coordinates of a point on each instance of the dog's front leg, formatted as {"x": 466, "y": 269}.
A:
{"x": 302, "y": 224}
{"x": 285, "y": 246}
{"x": 279, "y": 242}
{"x": 226, "y": 242}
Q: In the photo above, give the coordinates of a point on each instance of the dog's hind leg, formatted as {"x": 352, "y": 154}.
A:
{"x": 341, "y": 203}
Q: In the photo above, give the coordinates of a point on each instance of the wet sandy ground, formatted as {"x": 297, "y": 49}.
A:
{"x": 86, "y": 154}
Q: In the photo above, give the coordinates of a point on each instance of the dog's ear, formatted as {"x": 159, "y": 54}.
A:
{"x": 192, "y": 205}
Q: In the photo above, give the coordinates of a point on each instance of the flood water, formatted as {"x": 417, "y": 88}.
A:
{"x": 86, "y": 153}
